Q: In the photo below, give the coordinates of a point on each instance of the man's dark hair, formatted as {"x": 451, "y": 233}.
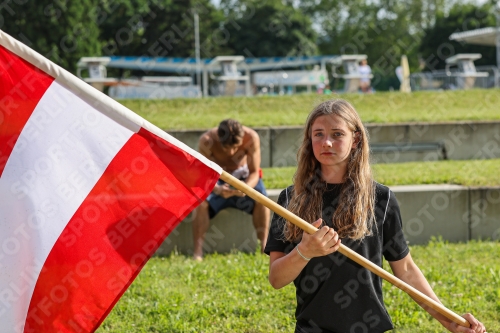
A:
{"x": 230, "y": 132}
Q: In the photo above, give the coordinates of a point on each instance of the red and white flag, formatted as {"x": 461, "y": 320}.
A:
{"x": 88, "y": 192}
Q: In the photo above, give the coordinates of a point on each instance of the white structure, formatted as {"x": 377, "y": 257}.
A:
{"x": 229, "y": 82}
{"x": 225, "y": 75}
{"x": 97, "y": 73}
{"x": 466, "y": 74}
{"x": 460, "y": 73}
{"x": 148, "y": 87}
{"x": 290, "y": 78}
{"x": 352, "y": 76}
{"x": 155, "y": 87}
{"x": 483, "y": 36}
{"x": 489, "y": 36}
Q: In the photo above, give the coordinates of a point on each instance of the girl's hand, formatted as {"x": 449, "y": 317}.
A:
{"x": 475, "y": 325}
{"x": 323, "y": 242}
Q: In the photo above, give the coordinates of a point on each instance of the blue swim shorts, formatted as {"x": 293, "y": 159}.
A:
{"x": 217, "y": 203}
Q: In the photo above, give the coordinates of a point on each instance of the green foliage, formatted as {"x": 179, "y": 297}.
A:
{"x": 120, "y": 34}
{"x": 420, "y": 14}
{"x": 467, "y": 173}
{"x": 383, "y": 30}
{"x": 263, "y": 28}
{"x": 231, "y": 293}
{"x": 264, "y": 111}
{"x": 436, "y": 45}
{"x": 61, "y": 30}
{"x": 65, "y": 31}
{"x": 162, "y": 28}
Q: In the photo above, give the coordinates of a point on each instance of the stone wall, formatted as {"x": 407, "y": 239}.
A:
{"x": 455, "y": 213}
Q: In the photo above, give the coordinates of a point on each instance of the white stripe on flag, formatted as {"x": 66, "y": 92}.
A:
{"x": 60, "y": 155}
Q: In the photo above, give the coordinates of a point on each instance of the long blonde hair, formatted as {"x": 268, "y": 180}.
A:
{"x": 354, "y": 216}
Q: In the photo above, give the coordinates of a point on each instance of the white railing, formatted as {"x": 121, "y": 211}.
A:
{"x": 441, "y": 80}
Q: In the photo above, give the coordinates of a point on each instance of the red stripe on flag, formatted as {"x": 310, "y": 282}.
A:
{"x": 22, "y": 87}
{"x": 148, "y": 188}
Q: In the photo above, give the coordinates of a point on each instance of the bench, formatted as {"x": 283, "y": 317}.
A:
{"x": 406, "y": 151}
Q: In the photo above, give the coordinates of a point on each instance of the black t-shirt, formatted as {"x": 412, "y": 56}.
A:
{"x": 335, "y": 294}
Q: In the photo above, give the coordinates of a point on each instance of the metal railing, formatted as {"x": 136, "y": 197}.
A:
{"x": 441, "y": 80}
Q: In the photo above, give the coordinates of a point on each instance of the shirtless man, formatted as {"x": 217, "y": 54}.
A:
{"x": 236, "y": 149}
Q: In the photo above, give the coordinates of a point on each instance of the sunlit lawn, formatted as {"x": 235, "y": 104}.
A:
{"x": 231, "y": 293}
{"x": 467, "y": 173}
{"x": 381, "y": 107}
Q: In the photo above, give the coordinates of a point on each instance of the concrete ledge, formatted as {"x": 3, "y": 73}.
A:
{"x": 433, "y": 210}
{"x": 461, "y": 141}
{"x": 484, "y": 213}
{"x": 230, "y": 230}
{"x": 456, "y": 213}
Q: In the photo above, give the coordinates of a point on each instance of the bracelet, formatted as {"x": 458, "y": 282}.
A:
{"x": 304, "y": 257}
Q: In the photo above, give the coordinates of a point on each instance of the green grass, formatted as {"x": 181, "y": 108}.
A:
{"x": 467, "y": 173}
{"x": 231, "y": 293}
{"x": 382, "y": 107}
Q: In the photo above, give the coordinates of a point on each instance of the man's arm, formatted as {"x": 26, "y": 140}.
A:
{"x": 253, "y": 159}
{"x": 205, "y": 144}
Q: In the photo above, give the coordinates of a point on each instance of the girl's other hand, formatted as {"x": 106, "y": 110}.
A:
{"x": 475, "y": 325}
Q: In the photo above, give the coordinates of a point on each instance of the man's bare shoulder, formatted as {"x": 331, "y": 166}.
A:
{"x": 208, "y": 135}
{"x": 206, "y": 142}
{"x": 251, "y": 135}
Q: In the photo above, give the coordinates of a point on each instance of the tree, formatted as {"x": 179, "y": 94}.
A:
{"x": 436, "y": 45}
{"x": 162, "y": 28}
{"x": 61, "y": 30}
{"x": 266, "y": 28}
{"x": 383, "y": 30}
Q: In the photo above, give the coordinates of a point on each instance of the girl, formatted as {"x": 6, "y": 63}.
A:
{"x": 333, "y": 186}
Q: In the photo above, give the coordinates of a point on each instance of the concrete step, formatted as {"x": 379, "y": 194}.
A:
{"x": 456, "y": 213}
{"x": 391, "y": 143}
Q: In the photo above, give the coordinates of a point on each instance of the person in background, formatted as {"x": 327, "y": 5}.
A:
{"x": 365, "y": 71}
{"x": 236, "y": 149}
{"x": 334, "y": 190}
{"x": 320, "y": 88}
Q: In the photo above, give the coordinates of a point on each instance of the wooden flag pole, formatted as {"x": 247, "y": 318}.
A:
{"x": 310, "y": 229}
